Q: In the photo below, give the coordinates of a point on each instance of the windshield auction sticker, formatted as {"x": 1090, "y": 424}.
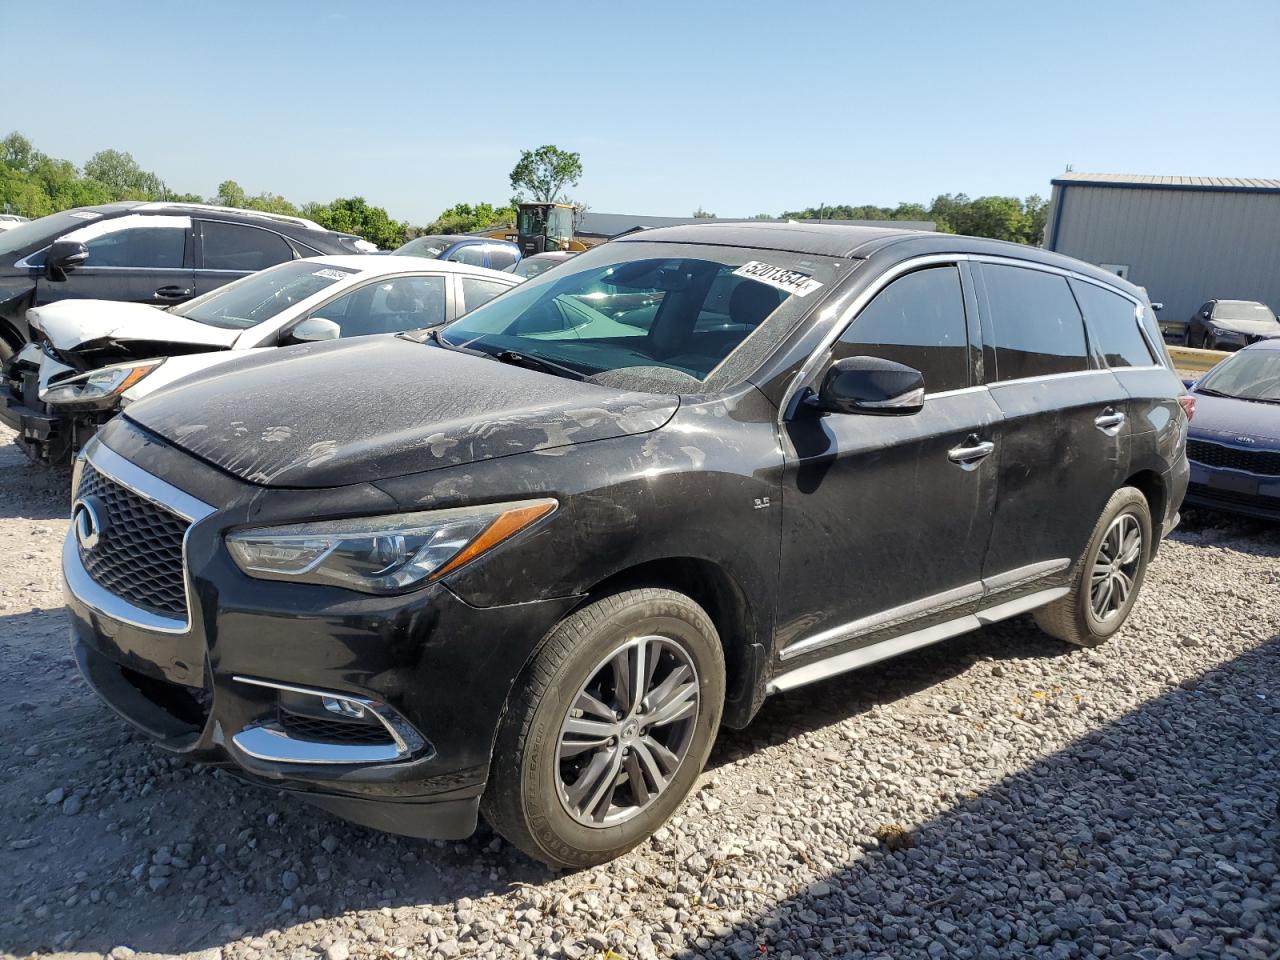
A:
{"x": 328, "y": 274}
{"x": 792, "y": 281}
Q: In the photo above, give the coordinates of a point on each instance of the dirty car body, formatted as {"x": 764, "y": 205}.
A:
{"x": 93, "y": 357}
{"x": 692, "y": 458}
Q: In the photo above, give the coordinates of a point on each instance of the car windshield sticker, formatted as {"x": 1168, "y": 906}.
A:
{"x": 792, "y": 281}
{"x": 85, "y": 215}
{"x": 330, "y": 274}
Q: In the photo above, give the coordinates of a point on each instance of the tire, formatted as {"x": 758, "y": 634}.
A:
{"x": 541, "y": 800}
{"x": 1074, "y": 618}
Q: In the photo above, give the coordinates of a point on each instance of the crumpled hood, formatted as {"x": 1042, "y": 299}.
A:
{"x": 1251, "y": 328}
{"x": 73, "y": 324}
{"x": 1226, "y": 417}
{"x": 371, "y": 408}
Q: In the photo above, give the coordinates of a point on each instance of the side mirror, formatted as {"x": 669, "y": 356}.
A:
{"x": 1157, "y": 306}
{"x": 1205, "y": 314}
{"x": 64, "y": 256}
{"x": 315, "y": 329}
{"x": 870, "y": 385}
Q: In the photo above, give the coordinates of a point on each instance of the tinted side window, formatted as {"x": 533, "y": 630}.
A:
{"x": 403, "y": 303}
{"x": 1113, "y": 325}
{"x": 917, "y": 320}
{"x": 500, "y": 257}
{"x": 472, "y": 254}
{"x": 234, "y": 246}
{"x": 476, "y": 291}
{"x": 153, "y": 247}
{"x": 1036, "y": 326}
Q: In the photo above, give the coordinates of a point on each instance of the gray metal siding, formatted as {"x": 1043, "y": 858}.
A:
{"x": 1184, "y": 246}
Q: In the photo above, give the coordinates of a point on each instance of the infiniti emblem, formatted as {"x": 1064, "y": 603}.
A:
{"x": 87, "y": 519}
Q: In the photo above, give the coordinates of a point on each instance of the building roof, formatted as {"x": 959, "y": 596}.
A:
{"x": 1155, "y": 182}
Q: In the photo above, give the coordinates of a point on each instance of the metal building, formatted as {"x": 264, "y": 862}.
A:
{"x": 1186, "y": 239}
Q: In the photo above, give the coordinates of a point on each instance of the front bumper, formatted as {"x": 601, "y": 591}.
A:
{"x": 1234, "y": 491}
{"x": 434, "y": 671}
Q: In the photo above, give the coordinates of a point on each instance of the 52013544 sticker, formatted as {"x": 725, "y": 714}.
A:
{"x": 792, "y": 281}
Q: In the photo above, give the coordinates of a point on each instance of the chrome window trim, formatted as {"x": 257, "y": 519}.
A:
{"x": 959, "y": 391}
{"x": 845, "y": 314}
{"x": 151, "y": 488}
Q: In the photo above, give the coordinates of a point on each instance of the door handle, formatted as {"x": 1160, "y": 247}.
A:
{"x": 970, "y": 453}
{"x": 1109, "y": 421}
{"x": 173, "y": 292}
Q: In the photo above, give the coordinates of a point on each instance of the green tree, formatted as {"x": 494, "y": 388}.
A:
{"x": 701, "y": 214}
{"x": 467, "y": 218}
{"x": 230, "y": 194}
{"x": 354, "y": 215}
{"x": 545, "y": 173}
{"x": 123, "y": 177}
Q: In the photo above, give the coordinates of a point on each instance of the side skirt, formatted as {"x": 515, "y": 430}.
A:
{"x": 875, "y": 652}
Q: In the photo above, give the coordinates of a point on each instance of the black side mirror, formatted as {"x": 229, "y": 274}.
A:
{"x": 62, "y": 257}
{"x": 870, "y": 385}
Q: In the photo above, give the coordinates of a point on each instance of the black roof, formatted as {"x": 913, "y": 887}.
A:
{"x": 859, "y": 242}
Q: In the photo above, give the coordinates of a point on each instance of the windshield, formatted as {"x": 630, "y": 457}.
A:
{"x": 1242, "y": 310}
{"x": 1247, "y": 375}
{"x": 260, "y": 296}
{"x": 637, "y": 306}
{"x": 36, "y": 233}
{"x": 531, "y": 267}
{"x": 429, "y": 247}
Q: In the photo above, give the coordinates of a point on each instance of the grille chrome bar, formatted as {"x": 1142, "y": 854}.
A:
{"x": 89, "y": 590}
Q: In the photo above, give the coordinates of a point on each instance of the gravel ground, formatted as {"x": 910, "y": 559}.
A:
{"x": 995, "y": 795}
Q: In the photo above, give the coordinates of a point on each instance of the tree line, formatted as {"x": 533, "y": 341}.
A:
{"x": 33, "y": 184}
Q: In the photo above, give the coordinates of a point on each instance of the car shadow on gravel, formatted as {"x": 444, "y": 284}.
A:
{"x": 1241, "y": 534}
{"x": 1155, "y": 836}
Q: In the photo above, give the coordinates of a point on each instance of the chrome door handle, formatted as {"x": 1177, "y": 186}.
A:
{"x": 1109, "y": 422}
{"x": 971, "y": 453}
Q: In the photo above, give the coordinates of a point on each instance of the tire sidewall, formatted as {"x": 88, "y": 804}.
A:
{"x": 1131, "y": 501}
{"x": 551, "y": 826}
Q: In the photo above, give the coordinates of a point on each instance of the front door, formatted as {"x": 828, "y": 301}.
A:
{"x": 886, "y": 518}
{"x": 137, "y": 258}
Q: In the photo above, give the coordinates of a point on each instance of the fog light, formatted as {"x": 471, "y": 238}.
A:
{"x": 343, "y": 708}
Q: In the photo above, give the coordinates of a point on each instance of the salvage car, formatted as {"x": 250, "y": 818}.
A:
{"x": 10, "y": 220}
{"x": 138, "y": 252}
{"x": 1231, "y": 324}
{"x": 476, "y": 251}
{"x": 530, "y": 267}
{"x": 1234, "y": 443}
{"x": 528, "y": 565}
{"x": 92, "y": 357}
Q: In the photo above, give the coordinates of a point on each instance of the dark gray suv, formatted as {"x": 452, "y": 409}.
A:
{"x": 566, "y": 537}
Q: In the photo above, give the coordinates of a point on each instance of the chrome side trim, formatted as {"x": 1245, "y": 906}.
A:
{"x": 268, "y": 741}
{"x": 1021, "y": 575}
{"x": 883, "y": 620}
{"x": 87, "y": 590}
{"x": 864, "y": 656}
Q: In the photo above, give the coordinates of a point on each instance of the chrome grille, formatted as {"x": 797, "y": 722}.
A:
{"x": 139, "y": 554}
{"x": 1265, "y": 462}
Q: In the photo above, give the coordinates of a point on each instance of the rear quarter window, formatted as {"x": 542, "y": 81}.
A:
{"x": 1113, "y": 326}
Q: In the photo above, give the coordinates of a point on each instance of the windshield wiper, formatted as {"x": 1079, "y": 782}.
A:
{"x": 539, "y": 364}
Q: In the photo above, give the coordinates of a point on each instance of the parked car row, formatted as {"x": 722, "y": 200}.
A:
{"x": 529, "y": 561}
{"x": 1224, "y": 325}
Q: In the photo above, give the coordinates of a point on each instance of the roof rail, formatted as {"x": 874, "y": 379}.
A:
{"x": 214, "y": 208}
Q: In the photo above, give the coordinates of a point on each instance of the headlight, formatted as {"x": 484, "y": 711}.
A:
{"x": 382, "y": 554}
{"x": 100, "y": 387}
{"x": 1219, "y": 332}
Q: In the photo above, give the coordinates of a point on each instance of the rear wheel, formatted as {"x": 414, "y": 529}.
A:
{"x": 609, "y": 730}
{"x": 1107, "y": 578}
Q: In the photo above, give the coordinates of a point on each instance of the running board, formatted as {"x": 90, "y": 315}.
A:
{"x": 875, "y": 652}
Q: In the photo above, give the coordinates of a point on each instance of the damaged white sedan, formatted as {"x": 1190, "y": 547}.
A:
{"x": 89, "y": 358}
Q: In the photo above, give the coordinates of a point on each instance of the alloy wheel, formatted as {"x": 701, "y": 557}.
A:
{"x": 627, "y": 731}
{"x": 1115, "y": 567}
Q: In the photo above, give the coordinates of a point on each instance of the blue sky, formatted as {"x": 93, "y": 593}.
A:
{"x": 741, "y": 108}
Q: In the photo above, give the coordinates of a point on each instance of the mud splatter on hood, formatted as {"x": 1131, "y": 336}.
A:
{"x": 372, "y": 408}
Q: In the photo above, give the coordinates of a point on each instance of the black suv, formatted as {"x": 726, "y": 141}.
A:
{"x": 161, "y": 253}
{"x": 529, "y": 562}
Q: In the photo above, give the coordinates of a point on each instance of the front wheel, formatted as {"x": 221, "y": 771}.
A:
{"x": 1107, "y": 578}
{"x": 608, "y": 729}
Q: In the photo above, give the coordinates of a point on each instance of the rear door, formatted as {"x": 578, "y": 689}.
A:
{"x": 884, "y": 526}
{"x": 1062, "y": 437}
{"x": 138, "y": 258}
{"x": 226, "y": 251}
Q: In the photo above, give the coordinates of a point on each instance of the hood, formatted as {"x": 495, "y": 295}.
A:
{"x": 1250, "y": 328}
{"x": 93, "y": 333}
{"x": 372, "y": 408}
{"x": 1227, "y": 418}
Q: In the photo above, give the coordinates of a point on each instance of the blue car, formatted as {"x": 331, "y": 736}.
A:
{"x": 473, "y": 251}
{"x": 1233, "y": 444}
